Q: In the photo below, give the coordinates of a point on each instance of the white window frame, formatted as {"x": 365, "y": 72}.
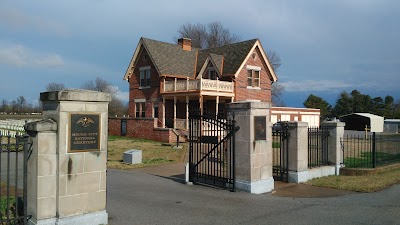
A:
{"x": 253, "y": 69}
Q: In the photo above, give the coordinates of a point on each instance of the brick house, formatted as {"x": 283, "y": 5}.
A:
{"x": 167, "y": 80}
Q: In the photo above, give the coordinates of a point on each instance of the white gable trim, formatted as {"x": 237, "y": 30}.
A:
{"x": 204, "y": 67}
{"x": 258, "y": 44}
{"x": 249, "y": 67}
{"x": 131, "y": 66}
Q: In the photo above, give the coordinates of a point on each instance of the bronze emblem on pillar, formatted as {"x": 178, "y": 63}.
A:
{"x": 260, "y": 129}
{"x": 84, "y": 132}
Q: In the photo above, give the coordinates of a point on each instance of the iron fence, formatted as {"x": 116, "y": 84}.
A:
{"x": 317, "y": 146}
{"x": 13, "y": 179}
{"x": 370, "y": 150}
{"x": 280, "y": 154}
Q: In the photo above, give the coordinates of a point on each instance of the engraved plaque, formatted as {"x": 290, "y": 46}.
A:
{"x": 260, "y": 131}
{"x": 84, "y": 132}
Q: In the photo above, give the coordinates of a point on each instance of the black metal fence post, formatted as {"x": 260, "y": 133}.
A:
{"x": 26, "y": 151}
{"x": 373, "y": 150}
{"x": 233, "y": 151}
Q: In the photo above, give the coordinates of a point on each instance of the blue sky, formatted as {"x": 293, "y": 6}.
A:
{"x": 325, "y": 46}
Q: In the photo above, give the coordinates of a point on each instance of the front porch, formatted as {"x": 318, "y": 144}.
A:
{"x": 176, "y": 108}
{"x": 179, "y": 96}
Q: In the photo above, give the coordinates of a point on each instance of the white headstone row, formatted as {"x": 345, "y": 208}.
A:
{"x": 12, "y": 127}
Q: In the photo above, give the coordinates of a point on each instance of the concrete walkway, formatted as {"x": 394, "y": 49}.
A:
{"x": 157, "y": 196}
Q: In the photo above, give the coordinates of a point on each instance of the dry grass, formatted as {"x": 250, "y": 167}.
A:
{"x": 371, "y": 183}
{"x": 153, "y": 153}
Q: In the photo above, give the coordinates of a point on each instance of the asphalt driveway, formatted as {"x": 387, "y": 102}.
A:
{"x": 145, "y": 197}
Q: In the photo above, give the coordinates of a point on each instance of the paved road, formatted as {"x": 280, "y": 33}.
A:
{"x": 136, "y": 197}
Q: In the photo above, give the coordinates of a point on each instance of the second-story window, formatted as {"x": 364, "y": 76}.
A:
{"x": 145, "y": 77}
{"x": 253, "y": 78}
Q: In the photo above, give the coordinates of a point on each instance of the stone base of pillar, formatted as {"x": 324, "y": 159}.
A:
{"x": 256, "y": 187}
{"x": 322, "y": 171}
{"x": 95, "y": 218}
{"x": 51, "y": 221}
{"x": 337, "y": 169}
{"x": 298, "y": 177}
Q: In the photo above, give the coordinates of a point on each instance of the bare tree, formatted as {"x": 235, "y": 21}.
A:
{"x": 211, "y": 35}
{"x": 196, "y": 32}
{"x": 274, "y": 59}
{"x": 218, "y": 35}
{"x": 4, "y": 107}
{"x": 53, "y": 86}
{"x": 276, "y": 93}
{"x": 21, "y": 104}
{"x": 99, "y": 85}
{"x": 214, "y": 34}
{"x": 116, "y": 107}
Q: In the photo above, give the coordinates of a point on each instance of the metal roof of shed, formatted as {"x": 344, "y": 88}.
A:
{"x": 376, "y": 122}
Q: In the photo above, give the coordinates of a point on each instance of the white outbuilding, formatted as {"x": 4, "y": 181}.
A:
{"x": 363, "y": 121}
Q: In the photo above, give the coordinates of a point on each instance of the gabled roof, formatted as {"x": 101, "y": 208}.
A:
{"x": 234, "y": 55}
{"x": 218, "y": 61}
{"x": 170, "y": 59}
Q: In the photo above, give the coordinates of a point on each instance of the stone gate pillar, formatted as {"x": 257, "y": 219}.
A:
{"x": 253, "y": 146}
{"x": 298, "y": 151}
{"x": 336, "y": 132}
{"x": 76, "y": 166}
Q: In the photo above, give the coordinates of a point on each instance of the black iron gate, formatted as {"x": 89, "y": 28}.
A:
{"x": 212, "y": 150}
{"x": 280, "y": 155}
{"x": 13, "y": 178}
{"x": 318, "y": 146}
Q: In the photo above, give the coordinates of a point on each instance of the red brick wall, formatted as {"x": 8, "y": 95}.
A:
{"x": 140, "y": 128}
{"x": 150, "y": 94}
{"x": 114, "y": 126}
{"x": 264, "y": 93}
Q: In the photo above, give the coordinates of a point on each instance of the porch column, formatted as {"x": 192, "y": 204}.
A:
{"x": 216, "y": 106}
{"x": 174, "y": 112}
{"x": 201, "y": 104}
{"x": 187, "y": 112}
{"x": 163, "y": 112}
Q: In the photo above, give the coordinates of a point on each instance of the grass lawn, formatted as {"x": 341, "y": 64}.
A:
{"x": 153, "y": 152}
{"x": 370, "y": 183}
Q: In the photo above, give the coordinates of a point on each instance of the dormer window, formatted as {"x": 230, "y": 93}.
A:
{"x": 212, "y": 74}
{"x": 253, "y": 76}
{"x": 145, "y": 77}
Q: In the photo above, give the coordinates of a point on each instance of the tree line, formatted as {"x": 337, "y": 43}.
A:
{"x": 355, "y": 102}
{"x": 21, "y": 106}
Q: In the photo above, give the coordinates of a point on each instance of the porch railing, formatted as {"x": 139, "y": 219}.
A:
{"x": 197, "y": 85}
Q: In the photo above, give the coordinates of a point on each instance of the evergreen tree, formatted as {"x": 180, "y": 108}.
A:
{"x": 316, "y": 102}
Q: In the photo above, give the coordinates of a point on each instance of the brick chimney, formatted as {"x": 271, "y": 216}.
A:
{"x": 185, "y": 43}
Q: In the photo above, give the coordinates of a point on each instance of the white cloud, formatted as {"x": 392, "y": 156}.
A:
{"x": 315, "y": 85}
{"x": 17, "y": 20}
{"x": 121, "y": 95}
{"x": 20, "y": 56}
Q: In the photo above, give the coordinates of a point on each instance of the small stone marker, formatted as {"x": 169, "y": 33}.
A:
{"x": 133, "y": 156}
